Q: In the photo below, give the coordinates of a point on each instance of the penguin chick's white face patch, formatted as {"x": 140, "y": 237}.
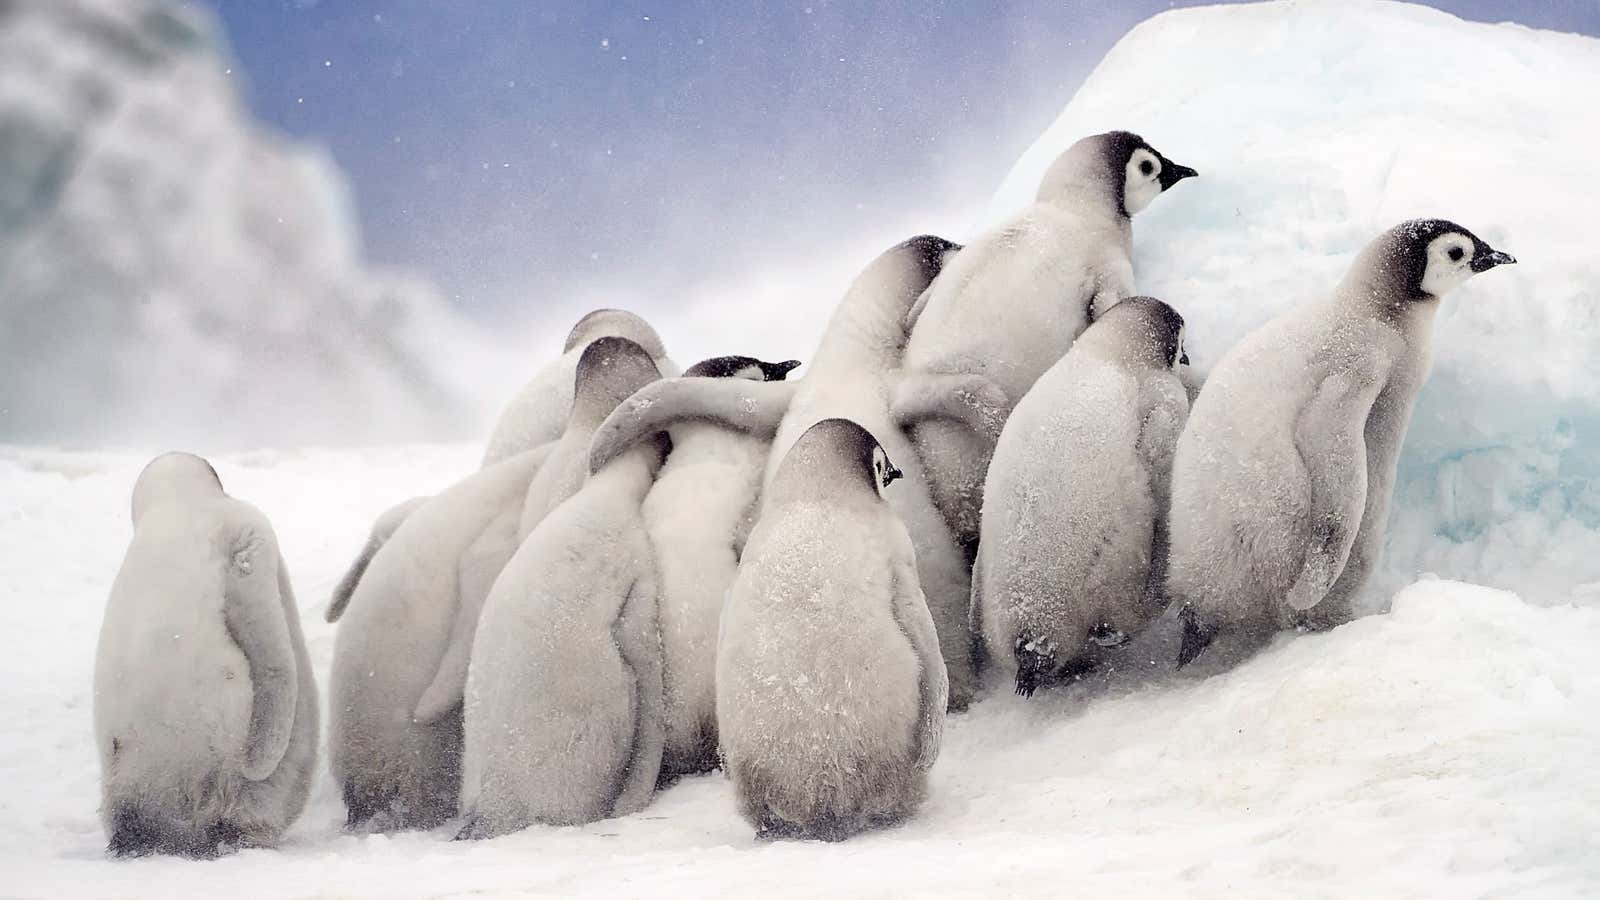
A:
{"x": 1143, "y": 180}
{"x": 1449, "y": 263}
{"x": 751, "y": 373}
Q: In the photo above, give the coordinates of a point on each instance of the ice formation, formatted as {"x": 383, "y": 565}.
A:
{"x": 1317, "y": 124}
{"x": 169, "y": 268}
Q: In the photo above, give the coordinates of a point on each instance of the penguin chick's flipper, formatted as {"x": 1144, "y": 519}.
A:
{"x": 254, "y": 614}
{"x": 482, "y": 561}
{"x": 911, "y": 613}
{"x": 476, "y": 571}
{"x": 638, "y": 636}
{"x": 1328, "y": 434}
{"x": 474, "y": 830}
{"x": 1036, "y": 660}
{"x": 753, "y": 407}
{"x": 972, "y": 400}
{"x": 387, "y": 523}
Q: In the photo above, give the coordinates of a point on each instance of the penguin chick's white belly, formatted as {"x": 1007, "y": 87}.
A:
{"x": 815, "y": 676}
{"x": 174, "y": 689}
{"x": 551, "y": 706}
{"x": 693, "y": 515}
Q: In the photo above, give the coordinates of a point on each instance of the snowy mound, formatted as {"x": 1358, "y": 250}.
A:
{"x": 1317, "y": 124}
{"x": 1443, "y": 750}
{"x": 166, "y": 268}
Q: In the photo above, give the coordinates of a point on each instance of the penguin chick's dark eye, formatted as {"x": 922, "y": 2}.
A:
{"x": 1147, "y": 167}
{"x": 1455, "y": 254}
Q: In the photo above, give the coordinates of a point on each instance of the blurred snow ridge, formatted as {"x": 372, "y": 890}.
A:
{"x": 169, "y": 269}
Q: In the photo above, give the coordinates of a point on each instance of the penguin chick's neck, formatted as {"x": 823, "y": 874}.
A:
{"x": 1373, "y": 288}
{"x": 634, "y": 471}
{"x": 1082, "y": 182}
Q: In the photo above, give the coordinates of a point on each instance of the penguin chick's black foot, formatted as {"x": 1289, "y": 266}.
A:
{"x": 473, "y": 830}
{"x": 1036, "y": 659}
{"x": 1196, "y": 636}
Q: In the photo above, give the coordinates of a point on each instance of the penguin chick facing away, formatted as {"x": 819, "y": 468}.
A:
{"x": 831, "y": 690}
{"x": 1074, "y": 511}
{"x": 1010, "y": 305}
{"x": 563, "y": 698}
{"x": 1282, "y": 479}
{"x": 205, "y": 709}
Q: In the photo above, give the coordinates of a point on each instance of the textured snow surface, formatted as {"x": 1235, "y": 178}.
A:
{"x": 1444, "y": 749}
{"x": 167, "y": 267}
{"x": 1315, "y": 125}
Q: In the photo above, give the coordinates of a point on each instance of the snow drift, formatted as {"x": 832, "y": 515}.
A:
{"x": 168, "y": 269}
{"x": 1317, "y": 124}
{"x": 1443, "y": 750}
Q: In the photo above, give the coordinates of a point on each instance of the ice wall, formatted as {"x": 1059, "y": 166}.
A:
{"x": 171, "y": 272}
{"x": 1317, "y": 124}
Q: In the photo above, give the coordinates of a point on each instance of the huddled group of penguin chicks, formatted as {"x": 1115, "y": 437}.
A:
{"x": 654, "y": 576}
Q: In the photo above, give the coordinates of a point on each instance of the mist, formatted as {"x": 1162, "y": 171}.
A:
{"x": 234, "y": 224}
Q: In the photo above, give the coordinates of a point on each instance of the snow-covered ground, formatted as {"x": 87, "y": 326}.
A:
{"x": 1445, "y": 749}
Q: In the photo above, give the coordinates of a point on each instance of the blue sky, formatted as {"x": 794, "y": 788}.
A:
{"x": 512, "y": 150}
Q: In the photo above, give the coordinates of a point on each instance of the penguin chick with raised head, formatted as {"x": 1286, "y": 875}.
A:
{"x": 1075, "y": 505}
{"x": 831, "y": 690}
{"x": 1282, "y": 479}
{"x": 1009, "y": 305}
{"x": 205, "y": 709}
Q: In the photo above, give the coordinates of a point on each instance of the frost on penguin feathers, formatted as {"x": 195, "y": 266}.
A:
{"x": 1282, "y": 479}
{"x": 653, "y": 575}
{"x": 205, "y": 708}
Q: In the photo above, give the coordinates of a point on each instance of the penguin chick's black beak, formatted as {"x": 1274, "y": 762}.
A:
{"x": 1172, "y": 173}
{"x": 1487, "y": 258}
{"x": 891, "y": 474}
{"x": 1183, "y": 359}
{"x": 779, "y": 370}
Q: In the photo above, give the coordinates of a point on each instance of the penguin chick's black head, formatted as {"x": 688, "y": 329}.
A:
{"x": 1155, "y": 329}
{"x": 1431, "y": 256}
{"x": 609, "y": 371}
{"x": 1139, "y": 171}
{"x": 819, "y": 453}
{"x": 746, "y": 367}
{"x": 931, "y": 252}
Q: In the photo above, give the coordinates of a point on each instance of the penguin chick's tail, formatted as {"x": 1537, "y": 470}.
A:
{"x": 1196, "y": 636}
